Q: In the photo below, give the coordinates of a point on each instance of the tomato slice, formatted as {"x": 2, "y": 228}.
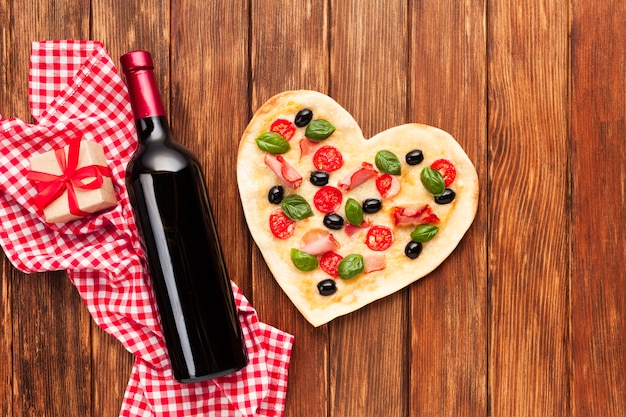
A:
{"x": 387, "y": 185}
{"x": 284, "y": 128}
{"x": 446, "y": 169}
{"x": 281, "y": 225}
{"x": 328, "y": 158}
{"x": 327, "y": 199}
{"x": 379, "y": 238}
{"x": 329, "y": 262}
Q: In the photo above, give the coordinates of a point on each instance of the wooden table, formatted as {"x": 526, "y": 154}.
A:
{"x": 528, "y": 315}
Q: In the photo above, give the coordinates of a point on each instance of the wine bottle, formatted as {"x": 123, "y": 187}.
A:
{"x": 178, "y": 232}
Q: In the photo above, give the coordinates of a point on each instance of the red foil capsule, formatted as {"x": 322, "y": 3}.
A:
{"x": 137, "y": 67}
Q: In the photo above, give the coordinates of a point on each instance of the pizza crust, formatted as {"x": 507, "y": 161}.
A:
{"x": 255, "y": 179}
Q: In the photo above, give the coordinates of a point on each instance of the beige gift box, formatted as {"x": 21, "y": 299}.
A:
{"x": 89, "y": 201}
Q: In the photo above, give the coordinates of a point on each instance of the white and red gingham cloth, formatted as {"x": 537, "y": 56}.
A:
{"x": 75, "y": 91}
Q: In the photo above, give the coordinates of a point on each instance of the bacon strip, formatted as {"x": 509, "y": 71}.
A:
{"x": 317, "y": 242}
{"x": 358, "y": 176}
{"x": 374, "y": 262}
{"x": 413, "y": 215}
{"x": 351, "y": 229}
{"x": 307, "y": 147}
{"x": 283, "y": 170}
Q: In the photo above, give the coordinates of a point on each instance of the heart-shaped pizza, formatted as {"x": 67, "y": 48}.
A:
{"x": 342, "y": 220}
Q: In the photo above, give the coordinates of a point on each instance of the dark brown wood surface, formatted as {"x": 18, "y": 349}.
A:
{"x": 526, "y": 318}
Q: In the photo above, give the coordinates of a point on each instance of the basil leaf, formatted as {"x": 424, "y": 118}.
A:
{"x": 354, "y": 212}
{"x": 387, "y": 162}
{"x": 273, "y": 143}
{"x": 433, "y": 181}
{"x": 296, "y": 207}
{"x": 351, "y": 266}
{"x": 319, "y": 129}
{"x": 424, "y": 232}
{"x": 302, "y": 260}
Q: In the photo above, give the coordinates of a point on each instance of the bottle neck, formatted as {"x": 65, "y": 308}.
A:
{"x": 143, "y": 90}
{"x": 145, "y": 99}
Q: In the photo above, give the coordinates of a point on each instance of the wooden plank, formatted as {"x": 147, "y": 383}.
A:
{"x": 209, "y": 110}
{"x": 40, "y": 20}
{"x": 51, "y": 347}
{"x": 125, "y": 26}
{"x": 6, "y": 288}
{"x": 449, "y": 307}
{"x": 6, "y": 339}
{"x": 528, "y": 240}
{"x": 50, "y": 323}
{"x": 598, "y": 301}
{"x": 368, "y": 361}
{"x": 110, "y": 369}
{"x": 289, "y": 50}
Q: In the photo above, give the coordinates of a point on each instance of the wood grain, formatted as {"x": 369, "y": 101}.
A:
{"x": 53, "y": 329}
{"x": 6, "y": 340}
{"x": 111, "y": 365}
{"x": 528, "y": 241}
{"x": 598, "y": 299}
{"x": 447, "y": 89}
{"x": 125, "y": 26}
{"x": 6, "y": 289}
{"x": 528, "y": 315}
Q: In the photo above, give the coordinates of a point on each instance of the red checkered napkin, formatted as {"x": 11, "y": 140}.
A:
{"x": 75, "y": 91}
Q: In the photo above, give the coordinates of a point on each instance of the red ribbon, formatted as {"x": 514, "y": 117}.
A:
{"x": 51, "y": 187}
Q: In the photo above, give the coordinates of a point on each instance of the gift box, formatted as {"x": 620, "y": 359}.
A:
{"x": 72, "y": 182}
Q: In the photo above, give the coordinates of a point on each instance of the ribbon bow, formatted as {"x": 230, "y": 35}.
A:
{"x": 50, "y": 186}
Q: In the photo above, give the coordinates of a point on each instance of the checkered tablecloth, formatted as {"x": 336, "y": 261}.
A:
{"x": 75, "y": 91}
